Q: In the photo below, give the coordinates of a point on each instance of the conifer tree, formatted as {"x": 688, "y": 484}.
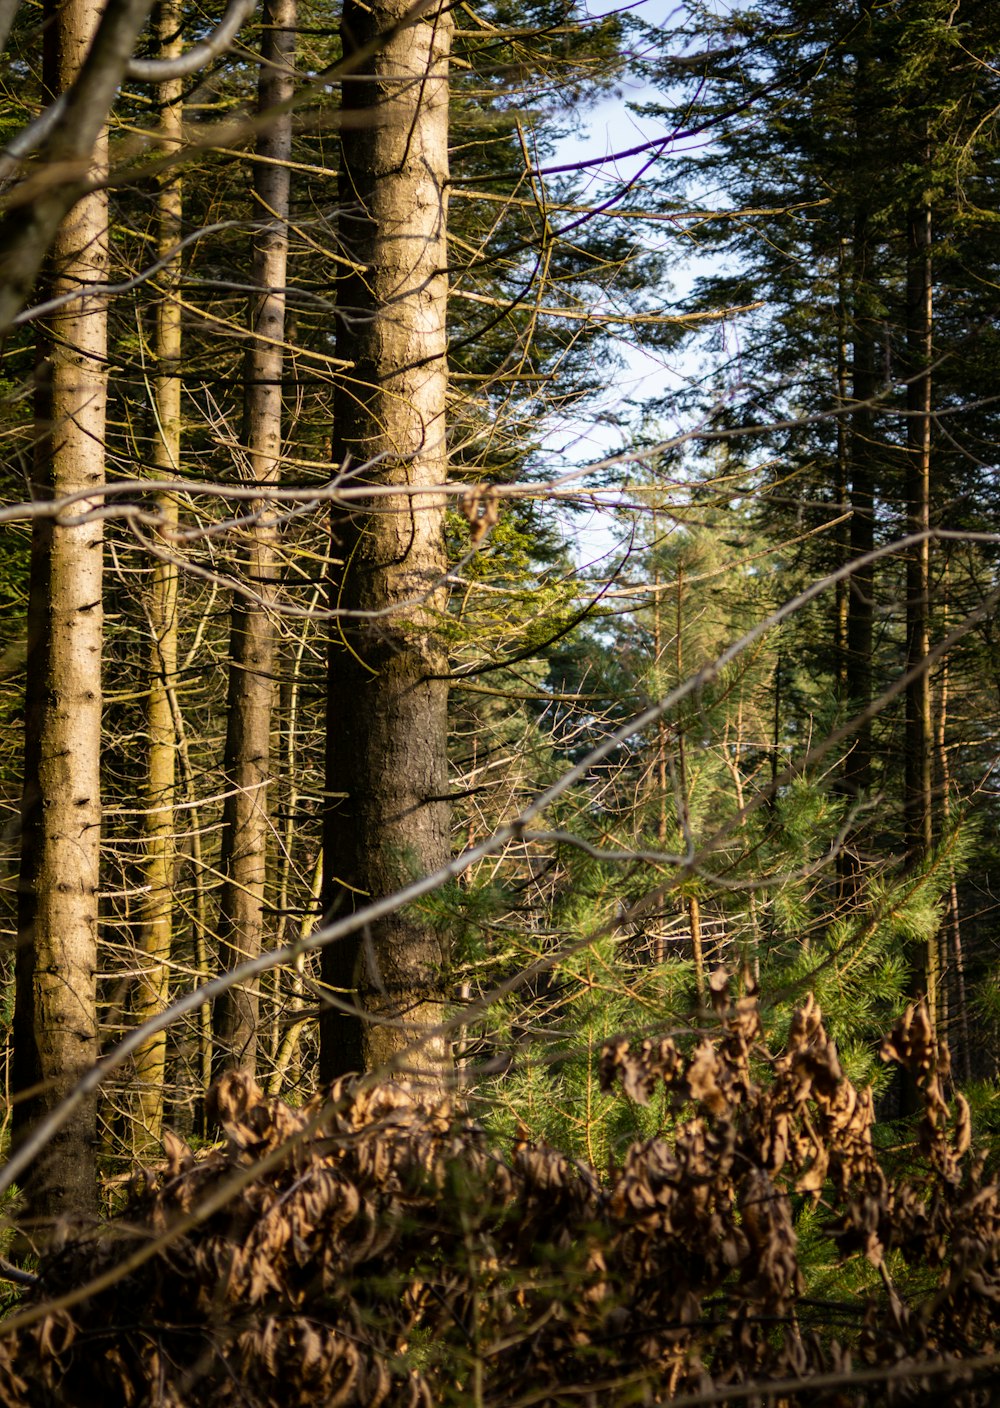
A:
{"x": 161, "y": 776}
{"x": 55, "y": 1039}
{"x": 387, "y": 722}
{"x": 252, "y": 656}
{"x": 854, "y": 253}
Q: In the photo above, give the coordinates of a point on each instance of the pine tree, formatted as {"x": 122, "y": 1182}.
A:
{"x": 851, "y": 259}
{"x": 248, "y": 769}
{"x": 161, "y": 778}
{"x": 387, "y": 699}
{"x": 55, "y": 1036}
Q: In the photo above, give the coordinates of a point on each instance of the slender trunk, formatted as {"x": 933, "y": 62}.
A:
{"x": 157, "y": 917}
{"x": 284, "y": 1039}
{"x": 287, "y": 1047}
{"x": 843, "y": 543}
{"x": 860, "y": 602}
{"x": 684, "y": 816}
{"x": 662, "y": 769}
{"x": 859, "y": 633}
{"x": 388, "y": 697}
{"x": 199, "y": 909}
{"x": 733, "y": 757}
{"x": 697, "y": 949}
{"x": 662, "y": 747}
{"x": 55, "y": 1014}
{"x": 918, "y": 813}
{"x": 953, "y": 918}
{"x": 845, "y": 867}
{"x": 860, "y": 445}
{"x": 246, "y": 823}
{"x": 776, "y": 731}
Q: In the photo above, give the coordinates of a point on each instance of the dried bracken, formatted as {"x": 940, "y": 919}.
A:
{"x": 372, "y": 1248}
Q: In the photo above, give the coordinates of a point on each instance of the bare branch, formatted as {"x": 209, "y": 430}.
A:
{"x": 221, "y": 38}
{"x": 40, "y": 202}
{"x": 410, "y": 894}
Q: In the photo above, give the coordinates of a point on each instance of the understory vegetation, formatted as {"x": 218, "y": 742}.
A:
{"x": 376, "y": 1245}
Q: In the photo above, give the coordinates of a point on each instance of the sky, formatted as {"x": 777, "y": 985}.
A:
{"x": 614, "y": 127}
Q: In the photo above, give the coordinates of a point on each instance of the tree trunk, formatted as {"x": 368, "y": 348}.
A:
{"x": 662, "y": 767}
{"x": 387, "y": 698}
{"x": 860, "y": 445}
{"x": 860, "y": 612}
{"x": 157, "y": 919}
{"x": 918, "y": 812}
{"x": 843, "y": 471}
{"x": 953, "y": 914}
{"x": 55, "y": 1014}
{"x": 246, "y": 822}
{"x": 861, "y": 539}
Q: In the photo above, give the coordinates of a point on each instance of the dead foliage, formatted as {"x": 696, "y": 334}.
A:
{"x": 373, "y": 1248}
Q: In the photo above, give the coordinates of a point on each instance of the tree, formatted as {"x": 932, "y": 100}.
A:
{"x": 161, "y": 776}
{"x": 849, "y": 270}
{"x": 55, "y": 1017}
{"x": 461, "y": 668}
{"x": 387, "y": 701}
{"x": 247, "y": 766}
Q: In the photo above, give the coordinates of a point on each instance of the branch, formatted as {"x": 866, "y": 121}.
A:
{"x": 221, "y": 38}
{"x": 42, "y": 201}
{"x": 14, "y": 1274}
{"x": 30, "y": 138}
{"x": 327, "y": 934}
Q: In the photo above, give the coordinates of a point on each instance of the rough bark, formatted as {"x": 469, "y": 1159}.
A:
{"x": 387, "y": 699}
{"x": 55, "y": 1017}
{"x": 246, "y": 823}
{"x": 161, "y": 781}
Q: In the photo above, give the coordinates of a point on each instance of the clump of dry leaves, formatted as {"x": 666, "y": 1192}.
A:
{"x": 373, "y": 1248}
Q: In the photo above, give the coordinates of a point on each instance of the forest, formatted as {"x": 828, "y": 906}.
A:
{"x": 500, "y": 691}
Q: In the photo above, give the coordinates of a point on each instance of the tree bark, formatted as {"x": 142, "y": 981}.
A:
{"x": 55, "y": 1012}
{"x": 246, "y": 820}
{"x": 161, "y": 782}
{"x": 387, "y": 697}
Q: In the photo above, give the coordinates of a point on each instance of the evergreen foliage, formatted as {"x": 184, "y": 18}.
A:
{"x": 372, "y": 1247}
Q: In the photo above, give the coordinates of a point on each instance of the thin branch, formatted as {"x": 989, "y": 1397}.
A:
{"x": 199, "y": 55}
{"x": 370, "y": 914}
